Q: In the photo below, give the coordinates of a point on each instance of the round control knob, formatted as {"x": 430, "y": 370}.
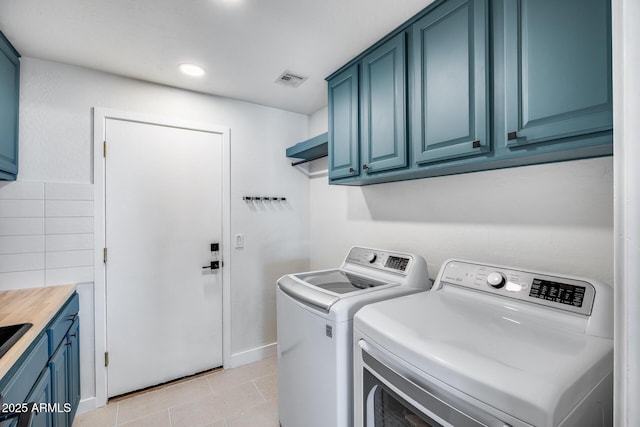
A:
{"x": 372, "y": 257}
{"x": 496, "y": 279}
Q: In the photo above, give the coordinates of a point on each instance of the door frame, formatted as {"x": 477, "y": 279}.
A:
{"x": 100, "y": 117}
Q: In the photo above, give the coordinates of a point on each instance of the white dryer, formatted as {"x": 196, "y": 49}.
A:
{"x": 315, "y": 318}
{"x": 487, "y": 346}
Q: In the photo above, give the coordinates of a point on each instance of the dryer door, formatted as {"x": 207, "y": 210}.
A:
{"x": 393, "y": 396}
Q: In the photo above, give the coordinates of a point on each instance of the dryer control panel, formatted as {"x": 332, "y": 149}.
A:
{"x": 382, "y": 260}
{"x": 564, "y": 293}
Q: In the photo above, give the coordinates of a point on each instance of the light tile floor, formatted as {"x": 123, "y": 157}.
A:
{"x": 242, "y": 397}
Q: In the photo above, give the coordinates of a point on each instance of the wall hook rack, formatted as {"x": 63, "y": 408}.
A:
{"x": 264, "y": 199}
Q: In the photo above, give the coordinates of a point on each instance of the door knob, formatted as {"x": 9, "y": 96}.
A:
{"x": 214, "y": 265}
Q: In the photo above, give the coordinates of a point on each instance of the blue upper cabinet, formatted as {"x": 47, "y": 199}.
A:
{"x": 488, "y": 84}
{"x": 557, "y": 69}
{"x": 344, "y": 160}
{"x": 383, "y": 114}
{"x": 9, "y": 89}
{"x": 450, "y": 94}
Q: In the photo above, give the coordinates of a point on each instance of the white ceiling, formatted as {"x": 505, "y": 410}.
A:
{"x": 243, "y": 44}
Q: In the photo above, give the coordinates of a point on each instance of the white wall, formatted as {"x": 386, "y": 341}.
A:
{"x": 556, "y": 217}
{"x": 56, "y": 133}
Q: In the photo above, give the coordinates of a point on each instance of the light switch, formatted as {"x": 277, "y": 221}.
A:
{"x": 239, "y": 241}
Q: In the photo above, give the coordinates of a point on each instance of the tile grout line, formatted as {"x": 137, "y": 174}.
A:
{"x": 117, "y": 413}
{"x": 259, "y": 392}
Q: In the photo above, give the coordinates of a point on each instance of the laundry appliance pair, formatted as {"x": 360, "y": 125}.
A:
{"x": 372, "y": 343}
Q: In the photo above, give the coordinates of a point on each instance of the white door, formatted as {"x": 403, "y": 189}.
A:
{"x": 163, "y": 188}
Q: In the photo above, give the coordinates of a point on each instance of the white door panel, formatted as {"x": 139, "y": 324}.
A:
{"x": 162, "y": 210}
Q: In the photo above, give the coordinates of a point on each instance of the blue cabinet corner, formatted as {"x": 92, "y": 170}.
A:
{"x": 9, "y": 98}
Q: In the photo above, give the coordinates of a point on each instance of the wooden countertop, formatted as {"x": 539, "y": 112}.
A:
{"x": 33, "y": 305}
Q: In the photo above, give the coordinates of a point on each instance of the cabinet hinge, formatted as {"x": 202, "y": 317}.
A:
{"x": 104, "y": 149}
{"x": 106, "y": 358}
{"x": 104, "y": 255}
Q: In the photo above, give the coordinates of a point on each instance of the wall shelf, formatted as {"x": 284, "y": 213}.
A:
{"x": 310, "y": 149}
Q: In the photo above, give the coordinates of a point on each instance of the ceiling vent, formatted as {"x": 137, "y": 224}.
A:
{"x": 290, "y": 79}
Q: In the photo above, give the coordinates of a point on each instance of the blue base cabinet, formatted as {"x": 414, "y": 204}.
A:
{"x": 65, "y": 364}
{"x": 9, "y": 97}
{"x": 73, "y": 369}
{"x": 488, "y": 84}
{"x": 41, "y": 394}
{"x": 48, "y": 374}
{"x": 59, "y": 381}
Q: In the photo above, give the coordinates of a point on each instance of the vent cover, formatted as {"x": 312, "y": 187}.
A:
{"x": 290, "y": 79}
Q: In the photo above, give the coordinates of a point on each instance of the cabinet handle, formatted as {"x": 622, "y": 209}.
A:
{"x": 365, "y": 167}
{"x": 476, "y": 144}
{"x": 351, "y": 170}
{"x": 512, "y": 135}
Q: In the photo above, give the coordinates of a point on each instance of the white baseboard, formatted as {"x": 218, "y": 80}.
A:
{"x": 252, "y": 355}
{"x": 87, "y": 405}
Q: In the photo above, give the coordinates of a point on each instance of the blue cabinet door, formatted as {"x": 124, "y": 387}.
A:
{"x": 557, "y": 69}
{"x": 58, "y": 366}
{"x": 449, "y": 102}
{"x": 73, "y": 369}
{"x": 41, "y": 393}
{"x": 383, "y": 113}
{"x": 344, "y": 160}
{"x": 9, "y": 87}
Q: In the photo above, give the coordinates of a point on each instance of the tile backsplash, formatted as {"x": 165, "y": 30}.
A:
{"x": 46, "y": 234}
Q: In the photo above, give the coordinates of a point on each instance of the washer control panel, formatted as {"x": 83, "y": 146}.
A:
{"x": 381, "y": 260}
{"x": 557, "y": 292}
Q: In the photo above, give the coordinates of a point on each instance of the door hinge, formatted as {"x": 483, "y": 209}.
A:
{"x": 104, "y": 255}
{"x": 104, "y": 149}
{"x": 106, "y": 358}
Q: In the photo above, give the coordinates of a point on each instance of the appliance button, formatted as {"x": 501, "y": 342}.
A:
{"x": 496, "y": 279}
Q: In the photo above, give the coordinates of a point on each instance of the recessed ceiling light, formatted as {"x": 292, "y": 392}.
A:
{"x": 192, "y": 70}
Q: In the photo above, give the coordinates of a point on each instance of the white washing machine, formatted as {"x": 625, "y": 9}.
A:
{"x": 487, "y": 346}
{"x": 315, "y": 316}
